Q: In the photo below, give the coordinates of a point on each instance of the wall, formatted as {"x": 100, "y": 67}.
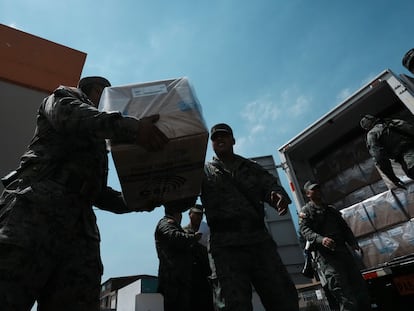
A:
{"x": 30, "y": 68}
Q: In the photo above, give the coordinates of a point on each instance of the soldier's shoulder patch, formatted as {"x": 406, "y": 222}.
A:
{"x": 170, "y": 221}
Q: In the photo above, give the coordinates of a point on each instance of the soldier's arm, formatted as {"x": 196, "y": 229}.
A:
{"x": 74, "y": 116}
{"x": 112, "y": 201}
{"x": 210, "y": 197}
{"x": 175, "y": 237}
{"x": 273, "y": 193}
{"x": 306, "y": 228}
{"x": 268, "y": 185}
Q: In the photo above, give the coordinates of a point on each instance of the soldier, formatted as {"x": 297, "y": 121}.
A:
{"x": 242, "y": 252}
{"x": 390, "y": 139}
{"x": 201, "y": 294}
{"x": 49, "y": 241}
{"x": 173, "y": 246}
{"x": 323, "y": 226}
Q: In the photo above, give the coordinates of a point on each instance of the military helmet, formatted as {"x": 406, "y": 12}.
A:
{"x": 368, "y": 121}
{"x": 408, "y": 60}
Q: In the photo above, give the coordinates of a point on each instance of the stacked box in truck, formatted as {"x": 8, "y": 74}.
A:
{"x": 332, "y": 151}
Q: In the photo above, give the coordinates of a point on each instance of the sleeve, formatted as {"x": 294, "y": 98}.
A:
{"x": 173, "y": 235}
{"x": 70, "y": 114}
{"x": 112, "y": 201}
{"x": 209, "y": 196}
{"x": 306, "y": 227}
{"x": 269, "y": 183}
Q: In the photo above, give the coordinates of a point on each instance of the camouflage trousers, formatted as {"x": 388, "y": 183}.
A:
{"x": 46, "y": 257}
{"x": 176, "y": 294}
{"x": 235, "y": 269}
{"x": 344, "y": 281}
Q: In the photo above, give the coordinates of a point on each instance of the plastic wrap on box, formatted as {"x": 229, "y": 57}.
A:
{"x": 331, "y": 191}
{"x": 383, "y": 246}
{"x": 385, "y": 209}
{"x": 376, "y": 213}
{"x": 407, "y": 198}
{"x": 358, "y": 195}
{"x": 379, "y": 186}
{"x": 348, "y": 155}
{"x": 377, "y": 248}
{"x": 404, "y": 235}
{"x": 351, "y": 179}
{"x": 369, "y": 171}
{"x": 175, "y": 172}
{"x": 358, "y": 219}
{"x": 175, "y": 101}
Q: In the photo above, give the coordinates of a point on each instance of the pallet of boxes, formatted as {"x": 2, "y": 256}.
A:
{"x": 173, "y": 174}
{"x": 384, "y": 223}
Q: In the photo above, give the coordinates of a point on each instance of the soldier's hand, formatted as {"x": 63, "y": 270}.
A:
{"x": 129, "y": 126}
{"x": 143, "y": 132}
{"x": 149, "y": 136}
{"x": 329, "y": 243}
{"x": 279, "y": 202}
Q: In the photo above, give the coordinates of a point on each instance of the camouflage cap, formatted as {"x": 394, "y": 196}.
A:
{"x": 310, "y": 185}
{"x": 93, "y": 80}
{"x": 221, "y": 127}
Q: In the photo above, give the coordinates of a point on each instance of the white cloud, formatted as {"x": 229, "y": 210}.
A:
{"x": 267, "y": 108}
{"x": 258, "y": 128}
{"x": 299, "y": 106}
{"x": 268, "y": 117}
{"x": 260, "y": 110}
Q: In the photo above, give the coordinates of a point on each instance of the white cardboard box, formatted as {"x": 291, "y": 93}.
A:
{"x": 175, "y": 172}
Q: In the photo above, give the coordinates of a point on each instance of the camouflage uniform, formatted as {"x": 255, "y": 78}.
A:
{"x": 49, "y": 241}
{"x": 337, "y": 267}
{"x": 242, "y": 253}
{"x": 173, "y": 246}
{"x": 201, "y": 294}
{"x": 393, "y": 139}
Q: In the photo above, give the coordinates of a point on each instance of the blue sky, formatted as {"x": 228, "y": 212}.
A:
{"x": 268, "y": 68}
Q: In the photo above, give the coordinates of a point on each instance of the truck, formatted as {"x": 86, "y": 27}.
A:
{"x": 332, "y": 151}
